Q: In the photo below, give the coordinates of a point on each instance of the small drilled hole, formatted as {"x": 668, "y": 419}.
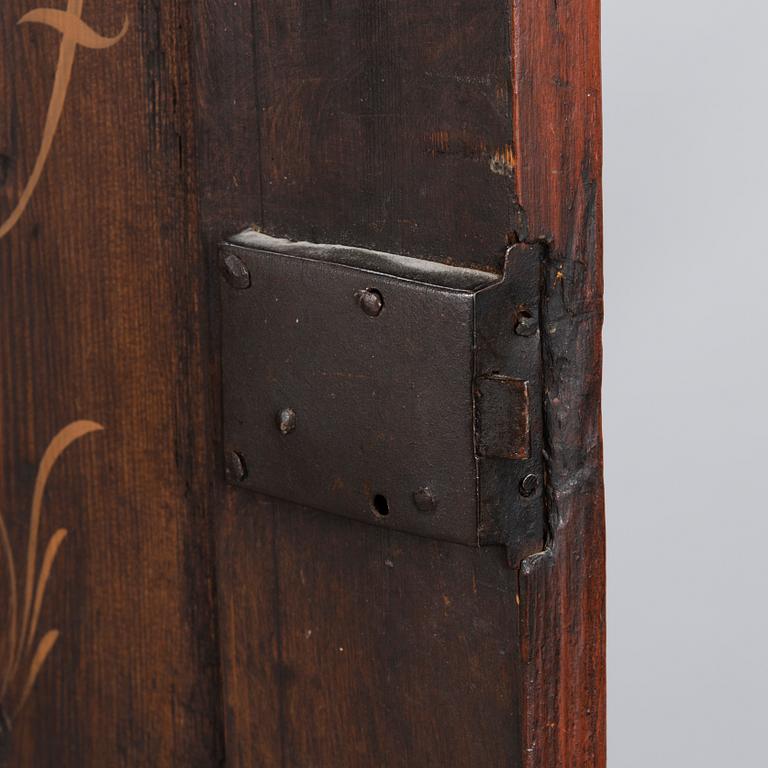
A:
{"x": 380, "y": 505}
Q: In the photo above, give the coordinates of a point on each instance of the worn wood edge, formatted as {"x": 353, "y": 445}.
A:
{"x": 556, "y": 70}
{"x": 562, "y": 622}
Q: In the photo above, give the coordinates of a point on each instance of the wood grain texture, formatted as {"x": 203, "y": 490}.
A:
{"x": 201, "y": 625}
{"x": 100, "y": 300}
{"x": 446, "y": 132}
{"x": 557, "y": 81}
{"x": 400, "y": 111}
{"x": 343, "y": 644}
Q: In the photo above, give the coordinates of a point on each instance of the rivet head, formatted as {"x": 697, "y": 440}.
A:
{"x": 425, "y": 500}
{"x": 529, "y": 484}
{"x": 526, "y": 325}
{"x": 235, "y": 469}
{"x": 286, "y": 420}
{"x": 235, "y": 272}
{"x": 371, "y": 302}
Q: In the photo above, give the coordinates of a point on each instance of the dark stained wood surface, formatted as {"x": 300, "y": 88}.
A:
{"x": 383, "y": 648}
{"x": 202, "y": 625}
{"x": 362, "y": 646}
{"x": 101, "y": 295}
{"x": 419, "y": 128}
{"x": 342, "y": 644}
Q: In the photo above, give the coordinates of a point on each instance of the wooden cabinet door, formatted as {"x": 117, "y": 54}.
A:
{"x": 150, "y": 612}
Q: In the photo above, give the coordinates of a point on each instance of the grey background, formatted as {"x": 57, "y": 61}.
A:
{"x": 685, "y": 411}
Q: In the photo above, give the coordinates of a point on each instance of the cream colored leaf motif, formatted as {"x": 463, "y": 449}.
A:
{"x": 9, "y": 644}
{"x": 72, "y": 27}
{"x": 74, "y": 31}
{"x": 20, "y": 635}
{"x": 41, "y": 654}
{"x": 45, "y": 571}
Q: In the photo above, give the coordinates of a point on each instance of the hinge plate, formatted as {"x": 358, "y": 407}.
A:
{"x": 363, "y": 384}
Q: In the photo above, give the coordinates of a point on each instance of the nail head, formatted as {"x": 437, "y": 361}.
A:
{"x": 235, "y": 272}
{"x": 235, "y": 469}
{"x": 286, "y": 420}
{"x": 529, "y": 484}
{"x": 425, "y": 500}
{"x": 371, "y": 302}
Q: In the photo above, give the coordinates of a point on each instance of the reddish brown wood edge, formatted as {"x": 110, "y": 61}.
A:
{"x": 562, "y": 590}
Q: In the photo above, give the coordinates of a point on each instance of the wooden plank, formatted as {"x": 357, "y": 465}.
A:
{"x": 344, "y": 644}
{"x": 442, "y": 130}
{"x": 557, "y": 81}
{"x": 101, "y": 295}
{"x": 243, "y": 529}
{"x": 386, "y": 125}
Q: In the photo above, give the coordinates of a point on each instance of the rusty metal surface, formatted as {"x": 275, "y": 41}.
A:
{"x": 503, "y": 423}
{"x": 358, "y": 383}
{"x": 508, "y": 346}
